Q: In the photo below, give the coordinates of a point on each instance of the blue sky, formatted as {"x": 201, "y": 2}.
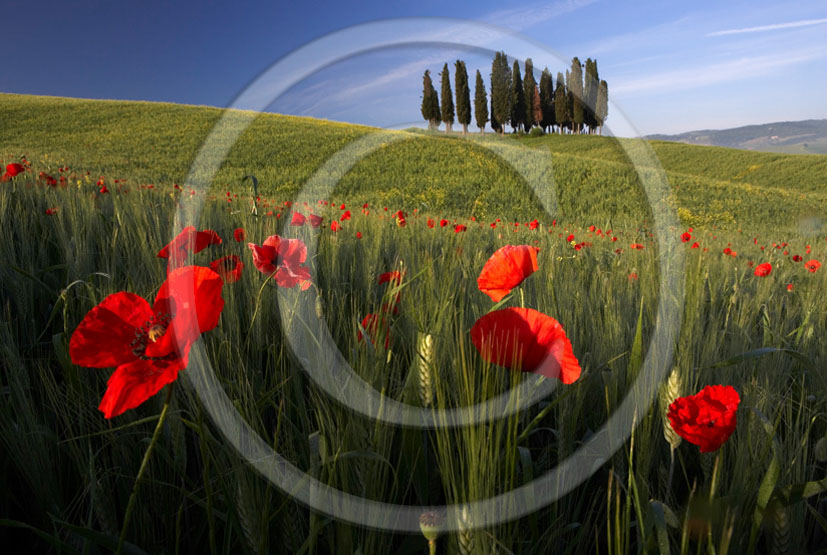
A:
{"x": 670, "y": 66}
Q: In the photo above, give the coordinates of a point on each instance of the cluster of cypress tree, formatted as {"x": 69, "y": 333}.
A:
{"x": 578, "y": 103}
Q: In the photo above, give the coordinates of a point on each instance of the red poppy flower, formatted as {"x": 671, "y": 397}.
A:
{"x": 228, "y": 267}
{"x": 370, "y": 324}
{"x": 636, "y": 246}
{"x": 812, "y": 265}
{"x": 51, "y": 211}
{"x": 533, "y": 224}
{"x": 686, "y": 236}
{"x": 103, "y": 190}
{"x": 706, "y": 419}
{"x": 401, "y": 221}
{"x": 395, "y": 277}
{"x": 591, "y": 228}
{"x": 315, "y": 220}
{"x": 570, "y": 238}
{"x": 239, "y": 234}
{"x": 298, "y": 219}
{"x": 525, "y": 339}
{"x": 334, "y": 226}
{"x": 459, "y": 228}
{"x": 763, "y": 270}
{"x": 430, "y": 223}
{"x": 695, "y": 245}
{"x": 189, "y": 240}
{"x": 148, "y": 345}
{"x": 48, "y": 179}
{"x": 797, "y": 258}
{"x": 632, "y": 276}
{"x": 284, "y": 258}
{"x": 358, "y": 234}
{"x": 443, "y": 222}
{"x": 345, "y": 216}
{"x": 789, "y": 287}
{"x": 14, "y": 169}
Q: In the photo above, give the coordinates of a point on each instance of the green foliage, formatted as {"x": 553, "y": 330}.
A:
{"x": 500, "y": 91}
{"x": 447, "y": 110}
{"x": 547, "y": 99}
{"x": 574, "y": 83}
{"x": 562, "y": 113}
{"x": 601, "y": 109}
{"x": 428, "y": 95}
{"x": 480, "y": 103}
{"x": 463, "y": 95}
{"x": 591, "y": 84}
{"x": 518, "y": 100}
{"x": 529, "y": 84}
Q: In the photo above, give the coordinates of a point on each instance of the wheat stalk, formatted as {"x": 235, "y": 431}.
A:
{"x": 670, "y": 391}
{"x": 425, "y": 362}
{"x": 464, "y": 537}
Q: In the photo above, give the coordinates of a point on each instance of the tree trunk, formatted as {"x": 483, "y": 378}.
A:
{"x": 464, "y": 128}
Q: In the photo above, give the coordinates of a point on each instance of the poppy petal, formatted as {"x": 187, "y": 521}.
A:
{"x": 104, "y": 336}
{"x": 506, "y": 269}
{"x": 523, "y": 338}
{"x": 132, "y": 384}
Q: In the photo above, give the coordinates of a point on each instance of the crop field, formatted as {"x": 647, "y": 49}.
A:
{"x": 389, "y": 345}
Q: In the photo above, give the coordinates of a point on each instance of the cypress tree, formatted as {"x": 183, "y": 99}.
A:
{"x": 601, "y": 109}
{"x": 500, "y": 91}
{"x": 546, "y": 100}
{"x": 537, "y": 111}
{"x": 518, "y": 107}
{"x": 435, "y": 108}
{"x": 427, "y": 99}
{"x": 561, "y": 104}
{"x": 495, "y": 125}
{"x": 447, "y": 99}
{"x": 480, "y": 103}
{"x": 590, "y": 85}
{"x": 463, "y": 95}
{"x": 529, "y": 84}
{"x": 575, "y": 86}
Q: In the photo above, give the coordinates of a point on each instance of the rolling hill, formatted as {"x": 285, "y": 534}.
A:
{"x": 791, "y": 137}
{"x": 156, "y": 143}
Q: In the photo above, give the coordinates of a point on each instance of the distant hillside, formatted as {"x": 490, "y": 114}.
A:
{"x": 791, "y": 137}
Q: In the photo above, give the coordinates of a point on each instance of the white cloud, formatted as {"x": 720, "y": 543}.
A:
{"x": 733, "y": 70}
{"x": 513, "y": 18}
{"x": 774, "y": 27}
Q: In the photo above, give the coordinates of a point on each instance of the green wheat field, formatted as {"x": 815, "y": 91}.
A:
{"x": 67, "y": 473}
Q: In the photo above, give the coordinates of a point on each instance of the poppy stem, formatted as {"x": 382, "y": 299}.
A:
{"x": 258, "y": 303}
{"x": 522, "y": 298}
{"x": 144, "y": 463}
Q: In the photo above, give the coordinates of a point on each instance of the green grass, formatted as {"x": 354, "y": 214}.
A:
{"x": 157, "y": 143}
{"x": 67, "y": 472}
